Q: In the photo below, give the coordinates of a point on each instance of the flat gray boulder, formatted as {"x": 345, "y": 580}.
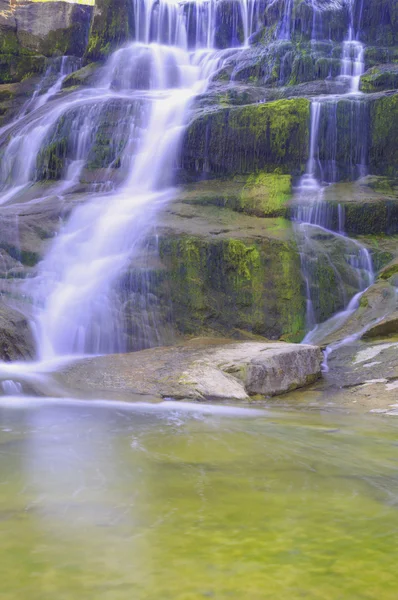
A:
{"x": 201, "y": 369}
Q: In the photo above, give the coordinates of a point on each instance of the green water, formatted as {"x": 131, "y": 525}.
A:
{"x": 110, "y": 503}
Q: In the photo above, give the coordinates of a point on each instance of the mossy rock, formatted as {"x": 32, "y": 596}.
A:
{"x": 383, "y": 77}
{"x": 112, "y": 25}
{"x": 52, "y": 159}
{"x": 379, "y": 22}
{"x": 228, "y": 284}
{"x": 83, "y": 77}
{"x": 383, "y": 151}
{"x": 104, "y": 145}
{"x": 259, "y": 194}
{"x": 380, "y": 55}
{"x": 391, "y": 270}
{"x": 16, "y": 68}
{"x": 261, "y": 137}
{"x": 368, "y": 206}
{"x": 51, "y": 28}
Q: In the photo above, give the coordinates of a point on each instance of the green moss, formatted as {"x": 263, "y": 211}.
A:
{"x": 229, "y": 285}
{"x": 380, "y": 78}
{"x": 248, "y": 139}
{"x": 16, "y": 68}
{"x": 383, "y": 152}
{"x": 266, "y": 194}
{"x": 111, "y": 27}
{"x": 371, "y": 217}
{"x": 82, "y": 77}
{"x": 389, "y": 271}
{"x": 51, "y": 159}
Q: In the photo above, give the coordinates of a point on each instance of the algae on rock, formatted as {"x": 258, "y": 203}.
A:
{"x": 232, "y": 284}
{"x": 248, "y": 139}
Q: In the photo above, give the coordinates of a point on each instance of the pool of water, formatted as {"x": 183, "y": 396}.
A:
{"x": 110, "y": 501}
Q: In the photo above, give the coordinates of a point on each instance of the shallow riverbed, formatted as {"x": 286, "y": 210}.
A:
{"x": 175, "y": 501}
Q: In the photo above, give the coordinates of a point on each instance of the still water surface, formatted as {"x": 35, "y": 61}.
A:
{"x": 110, "y": 502}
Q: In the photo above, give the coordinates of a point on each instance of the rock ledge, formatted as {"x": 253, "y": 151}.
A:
{"x": 201, "y": 369}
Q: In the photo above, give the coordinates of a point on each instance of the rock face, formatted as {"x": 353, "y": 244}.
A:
{"x": 48, "y": 27}
{"x": 249, "y": 139}
{"x": 226, "y": 259}
{"x": 16, "y": 340}
{"x": 200, "y": 370}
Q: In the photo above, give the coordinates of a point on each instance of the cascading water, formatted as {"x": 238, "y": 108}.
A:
{"x": 353, "y": 51}
{"x": 314, "y": 217}
{"x": 18, "y": 158}
{"x": 143, "y": 94}
{"x": 150, "y": 82}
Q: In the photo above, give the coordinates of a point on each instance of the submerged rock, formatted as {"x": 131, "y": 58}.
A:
{"x": 202, "y": 369}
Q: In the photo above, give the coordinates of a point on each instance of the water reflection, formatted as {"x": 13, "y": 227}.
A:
{"x": 177, "y": 501}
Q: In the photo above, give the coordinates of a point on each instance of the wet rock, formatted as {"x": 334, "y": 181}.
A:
{"x": 226, "y": 272}
{"x": 382, "y": 77}
{"x": 52, "y": 27}
{"x": 384, "y": 328}
{"x": 259, "y": 194}
{"x": 16, "y": 340}
{"x": 383, "y": 150}
{"x": 247, "y": 139}
{"x": 111, "y": 26}
{"x": 369, "y": 205}
{"x": 201, "y": 370}
{"x": 83, "y": 77}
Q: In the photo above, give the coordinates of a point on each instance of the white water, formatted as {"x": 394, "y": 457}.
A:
{"x": 309, "y": 182}
{"x": 313, "y": 211}
{"x": 77, "y": 308}
{"x": 353, "y": 52}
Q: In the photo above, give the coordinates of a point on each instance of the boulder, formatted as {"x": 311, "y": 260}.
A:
{"x": 202, "y": 369}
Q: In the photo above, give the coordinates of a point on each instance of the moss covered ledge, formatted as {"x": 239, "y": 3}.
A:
{"x": 228, "y": 272}
{"x": 247, "y": 139}
{"x": 260, "y": 194}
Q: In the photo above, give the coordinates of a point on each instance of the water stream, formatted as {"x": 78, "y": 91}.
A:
{"x": 315, "y": 217}
{"x": 150, "y": 82}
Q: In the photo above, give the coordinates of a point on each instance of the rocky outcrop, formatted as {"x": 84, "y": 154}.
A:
{"x": 250, "y": 138}
{"x": 366, "y": 206}
{"x": 229, "y": 273}
{"x": 382, "y": 77}
{"x": 260, "y": 194}
{"x": 200, "y": 370}
{"x": 46, "y": 27}
{"x": 112, "y": 25}
{"x": 383, "y": 152}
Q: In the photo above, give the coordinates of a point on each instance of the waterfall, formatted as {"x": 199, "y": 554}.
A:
{"x": 309, "y": 182}
{"x": 286, "y": 26}
{"x": 312, "y": 214}
{"x": 18, "y": 159}
{"x": 79, "y": 307}
{"x": 353, "y": 51}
